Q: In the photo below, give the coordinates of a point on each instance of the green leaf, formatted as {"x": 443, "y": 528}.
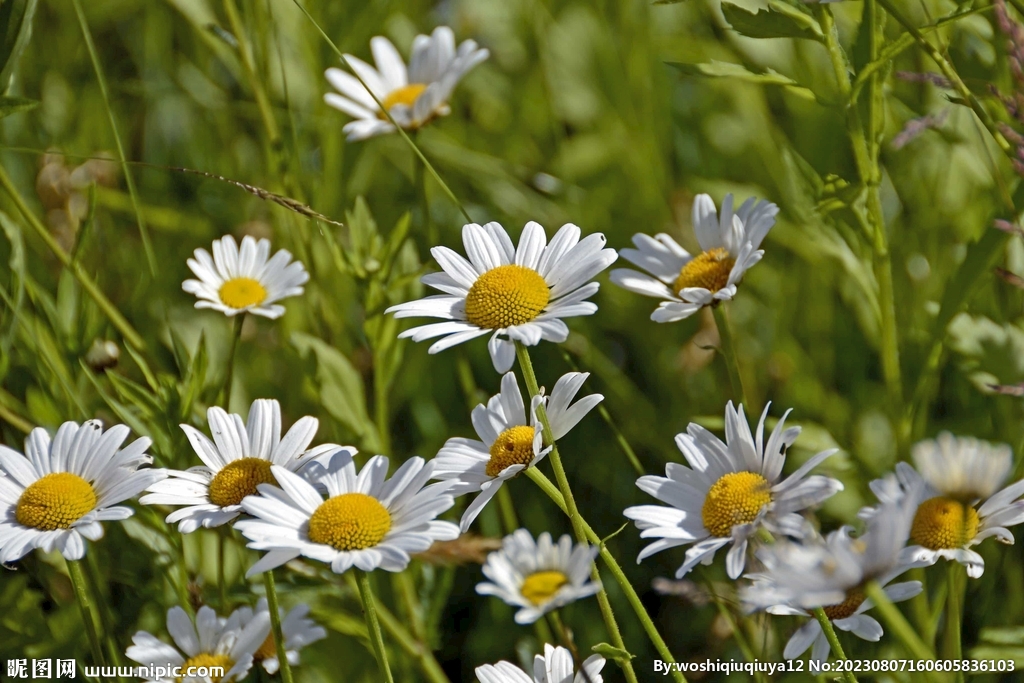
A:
{"x": 777, "y": 21}
{"x": 13, "y": 105}
{"x": 15, "y": 32}
{"x": 717, "y": 69}
{"x": 611, "y": 652}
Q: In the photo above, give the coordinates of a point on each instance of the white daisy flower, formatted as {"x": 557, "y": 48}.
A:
{"x": 55, "y": 495}
{"x": 515, "y": 294}
{"x": 212, "y": 642}
{"x": 538, "y": 577}
{"x": 244, "y": 280}
{"x": 412, "y": 96}
{"x": 367, "y": 520}
{"x": 728, "y": 492}
{"x": 955, "y": 490}
{"x": 554, "y": 666}
{"x": 831, "y": 573}
{"x": 509, "y": 443}
{"x": 686, "y": 283}
{"x": 237, "y": 460}
{"x": 298, "y": 631}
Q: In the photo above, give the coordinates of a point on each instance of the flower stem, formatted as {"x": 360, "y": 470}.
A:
{"x": 275, "y": 625}
{"x": 92, "y": 575}
{"x": 953, "y": 648}
{"x": 236, "y": 334}
{"x": 373, "y": 623}
{"x": 833, "y": 640}
{"x": 85, "y": 604}
{"x": 896, "y": 623}
{"x": 222, "y": 584}
{"x": 727, "y": 348}
{"x": 564, "y": 637}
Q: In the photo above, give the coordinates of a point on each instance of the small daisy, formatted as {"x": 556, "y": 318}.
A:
{"x": 728, "y": 491}
{"x": 237, "y": 460}
{"x": 554, "y": 666}
{"x": 685, "y": 282}
{"x": 298, "y": 632}
{"x": 235, "y": 280}
{"x": 953, "y": 476}
{"x": 509, "y": 443}
{"x": 412, "y": 96}
{"x": 538, "y": 577}
{"x": 212, "y": 642}
{"x": 513, "y": 294}
{"x": 367, "y": 520}
{"x": 55, "y": 496}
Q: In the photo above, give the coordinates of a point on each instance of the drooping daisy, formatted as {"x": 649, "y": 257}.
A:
{"x": 514, "y": 294}
{"x": 686, "y": 283}
{"x": 728, "y": 491}
{"x": 298, "y": 631}
{"x": 212, "y": 642}
{"x": 55, "y": 495}
{"x": 236, "y": 461}
{"x": 832, "y": 573}
{"x": 244, "y": 280}
{"x": 367, "y": 520}
{"x": 554, "y": 666}
{"x": 955, "y": 489}
{"x": 509, "y": 443}
{"x": 540, "y": 576}
{"x": 412, "y": 96}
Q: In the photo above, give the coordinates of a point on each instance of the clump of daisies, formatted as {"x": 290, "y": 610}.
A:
{"x": 244, "y": 280}
{"x": 56, "y": 494}
{"x": 686, "y": 282}
{"x": 413, "y": 96}
{"x": 509, "y": 442}
{"x": 554, "y": 666}
{"x": 296, "y": 627}
{"x": 539, "y": 576}
{"x": 514, "y": 294}
{"x": 729, "y": 491}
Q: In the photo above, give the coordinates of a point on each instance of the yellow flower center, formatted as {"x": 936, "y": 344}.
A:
{"x": 514, "y": 446}
{"x": 406, "y": 95}
{"x": 847, "y": 607}
{"x": 239, "y": 479}
{"x": 943, "y": 523}
{"x": 205, "y": 659}
{"x": 267, "y": 650}
{"x": 734, "y": 499}
{"x": 506, "y": 296}
{"x": 351, "y": 521}
{"x": 540, "y": 587}
{"x": 240, "y": 292}
{"x": 55, "y": 501}
{"x": 709, "y": 270}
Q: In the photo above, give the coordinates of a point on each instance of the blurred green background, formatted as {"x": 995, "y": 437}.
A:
{"x": 576, "y": 117}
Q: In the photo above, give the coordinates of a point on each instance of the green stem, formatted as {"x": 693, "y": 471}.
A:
{"x": 85, "y": 604}
{"x": 92, "y": 576}
{"x": 833, "y": 640}
{"x": 275, "y": 624}
{"x": 741, "y": 639}
{"x": 953, "y": 648}
{"x": 236, "y": 334}
{"x": 896, "y": 623}
{"x": 222, "y": 584}
{"x": 249, "y": 67}
{"x": 406, "y": 589}
{"x": 87, "y": 283}
{"x": 727, "y": 348}
{"x": 373, "y": 624}
{"x": 563, "y": 634}
{"x": 128, "y": 178}
{"x": 420, "y": 180}
{"x": 578, "y": 526}
{"x": 507, "y": 509}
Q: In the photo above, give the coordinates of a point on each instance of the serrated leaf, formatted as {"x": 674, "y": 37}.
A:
{"x": 611, "y": 652}
{"x": 717, "y": 69}
{"x": 777, "y": 21}
{"x": 15, "y": 32}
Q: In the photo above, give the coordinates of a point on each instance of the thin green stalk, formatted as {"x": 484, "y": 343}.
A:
{"x": 833, "y": 640}
{"x": 128, "y": 178}
{"x": 86, "y": 605}
{"x": 507, "y": 509}
{"x": 896, "y": 623}
{"x": 579, "y": 528}
{"x": 222, "y": 584}
{"x": 275, "y": 624}
{"x": 563, "y": 634}
{"x": 406, "y": 589}
{"x": 87, "y": 283}
{"x": 727, "y": 347}
{"x": 420, "y": 180}
{"x": 953, "y": 648}
{"x": 92, "y": 575}
{"x": 236, "y": 334}
{"x": 738, "y": 635}
{"x": 373, "y": 624}
{"x": 249, "y": 67}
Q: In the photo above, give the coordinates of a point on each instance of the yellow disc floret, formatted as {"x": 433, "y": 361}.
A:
{"x": 213, "y": 666}
{"x": 846, "y": 608}
{"x": 506, "y": 296}
{"x": 405, "y": 95}
{"x": 736, "y": 498}
{"x": 55, "y": 501}
{"x": 238, "y": 480}
{"x": 241, "y": 292}
{"x": 709, "y": 270}
{"x": 267, "y": 650}
{"x": 943, "y": 523}
{"x": 514, "y": 446}
{"x": 351, "y": 521}
{"x": 540, "y": 587}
